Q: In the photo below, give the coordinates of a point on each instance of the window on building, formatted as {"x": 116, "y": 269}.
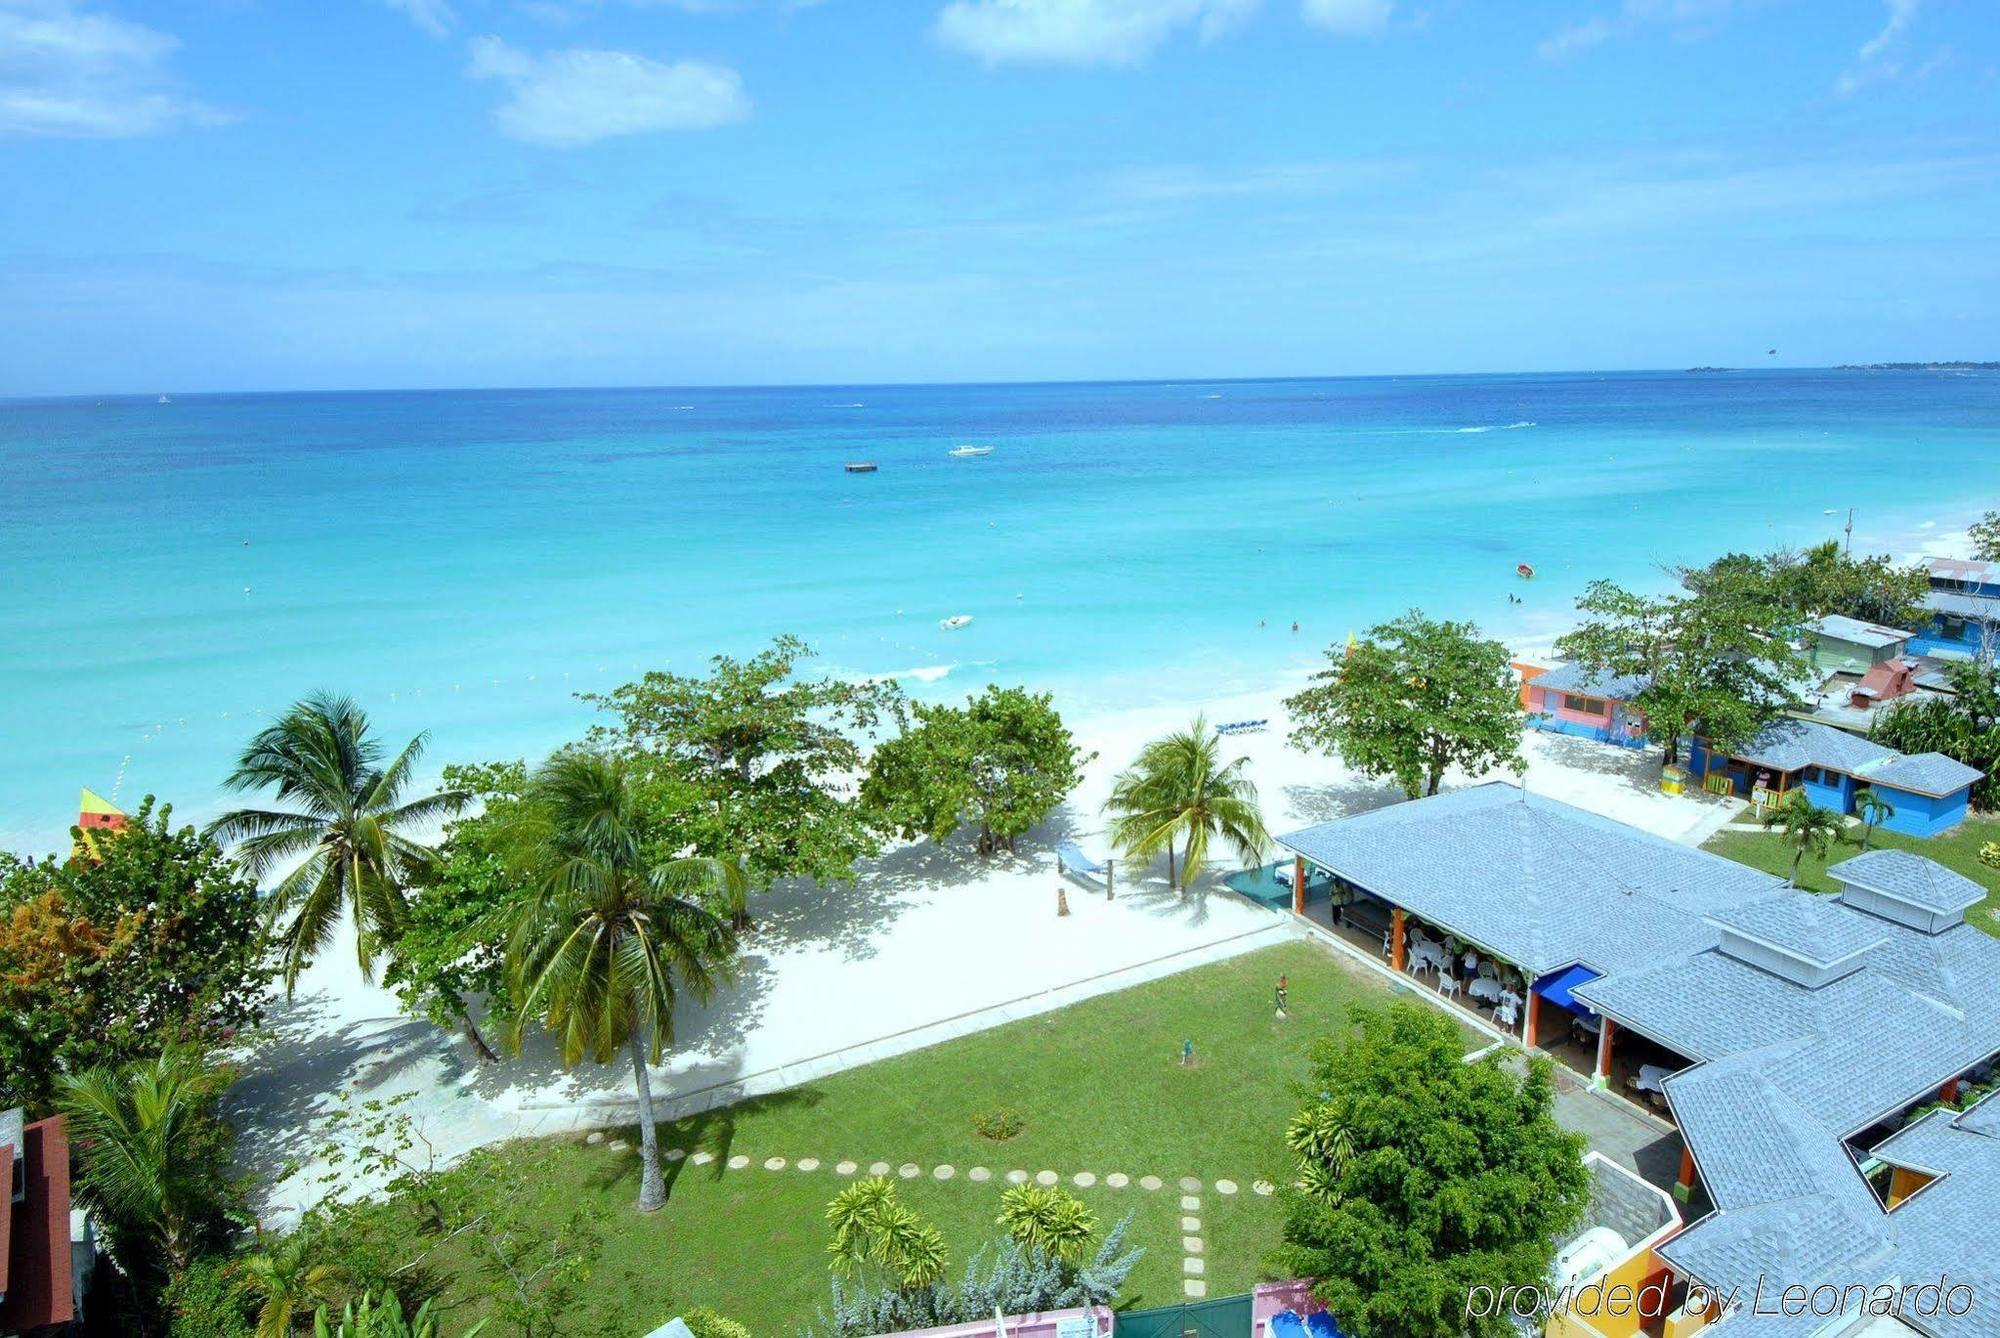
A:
{"x": 1586, "y": 705}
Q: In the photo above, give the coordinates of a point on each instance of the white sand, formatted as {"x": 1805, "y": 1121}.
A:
{"x": 926, "y": 934}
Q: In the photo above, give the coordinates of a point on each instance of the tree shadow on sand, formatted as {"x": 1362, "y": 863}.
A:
{"x": 1638, "y": 768}
{"x": 1341, "y": 798}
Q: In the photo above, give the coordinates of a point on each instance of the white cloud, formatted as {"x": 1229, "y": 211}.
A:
{"x": 568, "y": 98}
{"x": 435, "y": 17}
{"x": 68, "y": 73}
{"x": 1881, "y": 56}
{"x": 1079, "y": 32}
{"x": 1354, "y": 18}
{"x": 1685, "y": 19}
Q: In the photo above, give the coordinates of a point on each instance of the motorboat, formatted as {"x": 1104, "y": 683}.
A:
{"x": 861, "y": 466}
{"x": 956, "y": 621}
{"x": 969, "y": 452}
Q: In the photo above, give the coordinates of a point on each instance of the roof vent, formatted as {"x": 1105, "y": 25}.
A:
{"x": 1912, "y": 891}
{"x": 1804, "y": 939}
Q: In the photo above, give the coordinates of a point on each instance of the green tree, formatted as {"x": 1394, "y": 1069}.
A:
{"x": 1180, "y": 791}
{"x": 1004, "y": 761}
{"x": 1703, "y": 658}
{"x": 1872, "y": 808}
{"x": 1414, "y": 697}
{"x": 108, "y": 958}
{"x": 607, "y": 937}
{"x": 1985, "y": 536}
{"x": 1443, "y": 1176}
{"x": 287, "y": 1277}
{"x": 1049, "y": 1219}
{"x": 153, "y": 1159}
{"x": 751, "y": 763}
{"x": 1965, "y": 725}
{"x": 1793, "y": 587}
{"x": 1807, "y": 827}
{"x": 348, "y": 826}
{"x": 871, "y": 1226}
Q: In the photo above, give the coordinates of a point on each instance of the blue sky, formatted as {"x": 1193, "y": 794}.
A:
{"x": 263, "y": 194}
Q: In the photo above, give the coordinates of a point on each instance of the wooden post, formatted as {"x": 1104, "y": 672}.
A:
{"x": 1949, "y": 1093}
{"x": 1108, "y": 862}
{"x": 1684, "y": 1186}
{"x": 1298, "y": 885}
{"x": 1532, "y": 1033}
{"x": 1602, "y": 1078}
{"x": 1396, "y": 938}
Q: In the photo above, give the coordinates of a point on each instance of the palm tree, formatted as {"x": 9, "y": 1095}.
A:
{"x": 1180, "y": 790}
{"x": 287, "y": 1278}
{"x": 149, "y": 1168}
{"x": 604, "y": 930}
{"x": 1872, "y": 808}
{"x": 346, "y": 822}
{"x": 1051, "y": 1220}
{"x": 1807, "y": 827}
{"x": 870, "y": 1225}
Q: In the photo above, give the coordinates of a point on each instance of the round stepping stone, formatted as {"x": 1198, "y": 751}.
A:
{"x": 1264, "y": 1187}
{"x": 619, "y": 1145}
{"x": 879, "y": 1168}
{"x": 979, "y": 1174}
{"x": 1149, "y": 1182}
{"x": 808, "y": 1163}
{"x": 845, "y": 1168}
{"x": 675, "y": 1154}
{"x": 1190, "y": 1185}
{"x": 595, "y": 1138}
{"x": 909, "y": 1170}
{"x": 774, "y": 1163}
{"x": 1118, "y": 1180}
{"x": 702, "y": 1158}
{"x": 1225, "y": 1186}
{"x": 738, "y": 1162}
{"x": 1017, "y": 1177}
{"x": 1046, "y": 1178}
{"x": 943, "y": 1173}
{"x": 1083, "y": 1180}
{"x": 1190, "y": 1203}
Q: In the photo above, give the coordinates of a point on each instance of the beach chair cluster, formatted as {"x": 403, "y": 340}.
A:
{"x": 1243, "y": 727}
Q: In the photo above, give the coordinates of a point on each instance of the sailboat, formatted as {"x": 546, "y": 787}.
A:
{"x": 165, "y": 400}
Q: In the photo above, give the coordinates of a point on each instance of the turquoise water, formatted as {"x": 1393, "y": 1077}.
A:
{"x": 464, "y": 561}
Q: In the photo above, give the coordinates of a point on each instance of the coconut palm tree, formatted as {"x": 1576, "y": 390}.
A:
{"x": 605, "y": 938}
{"x": 1871, "y": 808}
{"x": 1049, "y": 1219}
{"x": 1179, "y": 790}
{"x": 149, "y": 1168}
{"x": 288, "y": 1277}
{"x": 344, "y": 819}
{"x": 1807, "y": 827}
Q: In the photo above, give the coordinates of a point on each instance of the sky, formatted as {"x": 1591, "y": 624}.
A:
{"x": 267, "y": 195}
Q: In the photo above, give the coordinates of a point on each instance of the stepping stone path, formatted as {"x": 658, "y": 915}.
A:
{"x": 1190, "y": 1185}
{"x": 1046, "y": 1177}
{"x": 595, "y": 1138}
{"x": 845, "y": 1168}
{"x": 774, "y": 1163}
{"x": 1083, "y": 1180}
{"x": 1118, "y": 1180}
{"x": 1190, "y": 1203}
{"x": 1193, "y": 1267}
{"x": 808, "y": 1163}
{"x": 1150, "y": 1182}
{"x": 1264, "y": 1187}
{"x": 909, "y": 1170}
{"x": 702, "y": 1158}
{"x": 943, "y": 1173}
{"x": 738, "y": 1162}
{"x": 1017, "y": 1177}
{"x": 619, "y": 1145}
{"x": 675, "y": 1154}
{"x": 879, "y": 1168}
{"x": 1225, "y": 1186}
{"x": 979, "y": 1175}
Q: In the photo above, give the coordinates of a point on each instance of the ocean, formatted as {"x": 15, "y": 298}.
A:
{"x": 465, "y": 562}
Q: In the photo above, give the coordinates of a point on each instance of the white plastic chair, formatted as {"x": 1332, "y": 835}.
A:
{"x": 1447, "y": 984}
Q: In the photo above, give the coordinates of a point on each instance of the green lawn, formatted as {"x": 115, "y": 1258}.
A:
{"x": 1099, "y": 1086}
{"x": 1957, "y": 850}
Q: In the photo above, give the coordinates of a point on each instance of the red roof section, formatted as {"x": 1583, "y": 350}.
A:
{"x": 36, "y": 1239}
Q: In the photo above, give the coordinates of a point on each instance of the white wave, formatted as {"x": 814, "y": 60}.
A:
{"x": 1497, "y": 427}
{"x": 929, "y": 673}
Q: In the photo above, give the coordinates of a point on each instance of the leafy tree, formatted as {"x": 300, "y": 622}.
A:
{"x": 287, "y": 1277}
{"x": 751, "y": 763}
{"x": 1985, "y": 536}
{"x": 349, "y": 827}
{"x": 871, "y": 1226}
{"x": 109, "y": 959}
{"x": 1807, "y": 827}
{"x": 608, "y": 935}
{"x": 201, "y": 1301}
{"x": 1421, "y": 1176}
{"x": 1872, "y": 808}
{"x": 382, "y": 1318}
{"x": 1180, "y": 790}
{"x": 1702, "y": 655}
{"x": 450, "y": 945}
{"x": 1964, "y": 725}
{"x": 1792, "y": 588}
{"x": 153, "y": 1159}
{"x": 1414, "y": 697}
{"x": 1047, "y": 1218}
{"x": 1003, "y": 761}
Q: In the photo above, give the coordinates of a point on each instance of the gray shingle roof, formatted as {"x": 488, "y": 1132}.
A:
{"x": 1818, "y": 930}
{"x": 1984, "y": 607}
{"x": 1539, "y": 882}
{"x": 1789, "y": 744}
{"x": 1572, "y": 677}
{"x": 1873, "y": 635}
{"x": 1912, "y": 878}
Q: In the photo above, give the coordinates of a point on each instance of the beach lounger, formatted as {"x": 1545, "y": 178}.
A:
{"x": 1077, "y": 864}
{"x": 1286, "y": 1324}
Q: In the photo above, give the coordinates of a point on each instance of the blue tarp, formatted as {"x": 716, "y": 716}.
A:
{"x": 1556, "y": 987}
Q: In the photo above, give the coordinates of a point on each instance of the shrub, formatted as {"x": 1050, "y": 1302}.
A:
{"x": 705, "y": 1323}
{"x": 997, "y": 1125}
{"x": 201, "y": 1302}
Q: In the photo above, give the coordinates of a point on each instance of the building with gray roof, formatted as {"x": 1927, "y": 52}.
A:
{"x": 1928, "y": 791}
{"x": 1590, "y": 703}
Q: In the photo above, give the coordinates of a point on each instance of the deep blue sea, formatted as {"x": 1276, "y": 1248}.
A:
{"x": 465, "y": 561}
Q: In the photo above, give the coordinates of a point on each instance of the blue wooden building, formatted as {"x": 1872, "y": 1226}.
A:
{"x": 1964, "y": 607}
{"x": 1929, "y": 791}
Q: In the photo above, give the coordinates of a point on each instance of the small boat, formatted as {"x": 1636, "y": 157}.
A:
{"x": 953, "y": 623}
{"x": 1524, "y": 571}
{"x": 967, "y": 452}
{"x": 165, "y": 400}
{"x": 861, "y": 466}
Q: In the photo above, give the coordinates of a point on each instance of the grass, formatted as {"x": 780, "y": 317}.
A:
{"x": 1957, "y": 850}
{"x": 1099, "y": 1087}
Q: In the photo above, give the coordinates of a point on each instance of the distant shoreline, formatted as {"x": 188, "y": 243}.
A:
{"x": 1912, "y": 367}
